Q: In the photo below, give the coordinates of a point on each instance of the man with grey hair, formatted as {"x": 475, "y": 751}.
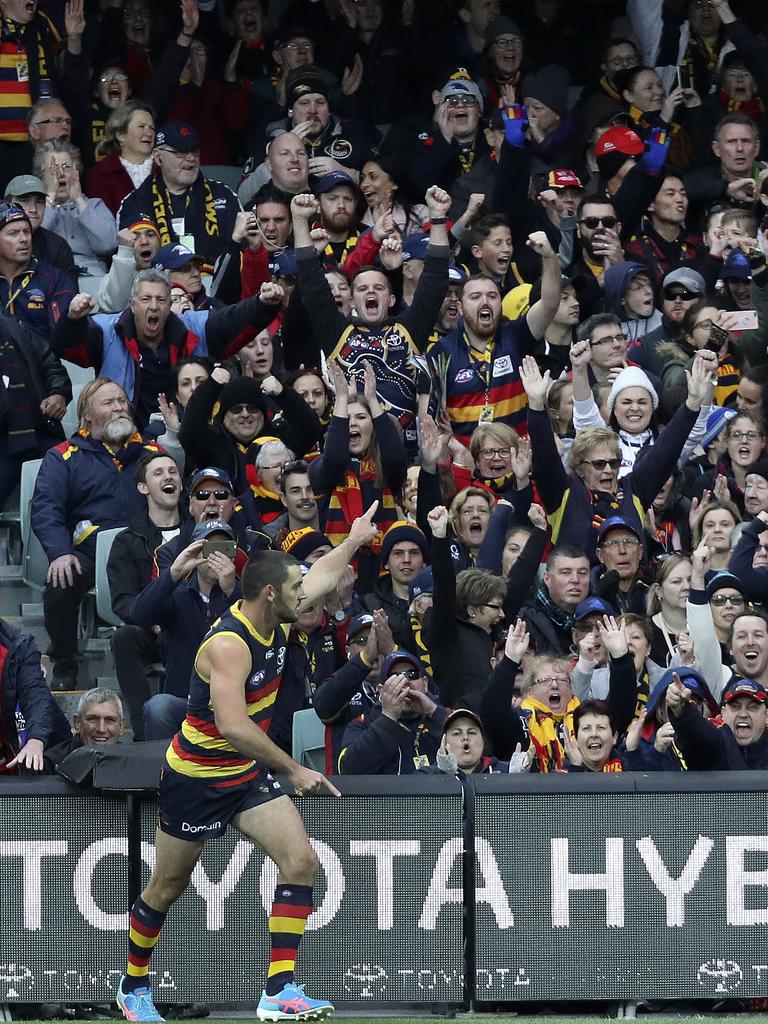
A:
{"x": 97, "y": 722}
{"x": 84, "y": 485}
{"x": 147, "y": 335}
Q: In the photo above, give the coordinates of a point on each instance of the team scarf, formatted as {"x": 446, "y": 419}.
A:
{"x": 268, "y": 502}
{"x": 544, "y": 727}
{"x": 422, "y": 651}
{"x": 25, "y": 37}
{"x": 558, "y": 615}
{"x": 162, "y": 209}
{"x": 754, "y": 107}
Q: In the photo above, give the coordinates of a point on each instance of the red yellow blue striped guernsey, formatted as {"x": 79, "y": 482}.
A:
{"x": 198, "y": 749}
{"x": 486, "y": 390}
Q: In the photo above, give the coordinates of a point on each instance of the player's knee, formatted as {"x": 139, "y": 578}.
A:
{"x": 300, "y": 865}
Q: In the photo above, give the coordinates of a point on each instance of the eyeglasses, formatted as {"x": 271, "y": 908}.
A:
{"x": 508, "y": 44}
{"x": 245, "y": 407}
{"x": 460, "y": 101}
{"x": 706, "y": 324}
{"x": 475, "y": 512}
{"x": 279, "y": 466}
{"x": 602, "y": 463}
{"x": 55, "y": 168}
{"x": 628, "y": 542}
{"x": 294, "y": 47}
{"x": 561, "y": 680}
{"x": 410, "y": 673}
{"x": 609, "y": 339}
{"x": 495, "y": 453}
{"x": 720, "y": 599}
{"x": 179, "y": 153}
{"x": 205, "y": 495}
{"x": 679, "y": 293}
{"x": 593, "y": 222}
{"x": 55, "y": 120}
{"x": 698, "y": 4}
{"x": 496, "y": 607}
{"x": 120, "y": 76}
{"x": 744, "y": 435}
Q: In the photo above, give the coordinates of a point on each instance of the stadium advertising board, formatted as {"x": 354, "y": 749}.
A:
{"x": 387, "y": 925}
{"x": 620, "y": 895}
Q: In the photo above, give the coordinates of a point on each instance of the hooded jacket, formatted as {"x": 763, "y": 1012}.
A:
{"x": 616, "y": 281}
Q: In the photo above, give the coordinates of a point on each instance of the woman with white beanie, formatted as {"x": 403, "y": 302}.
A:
{"x": 631, "y": 406}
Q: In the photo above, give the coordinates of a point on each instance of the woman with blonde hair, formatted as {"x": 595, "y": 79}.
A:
{"x": 667, "y": 601}
{"x": 124, "y": 154}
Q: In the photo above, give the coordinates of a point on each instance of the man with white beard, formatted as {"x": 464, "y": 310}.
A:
{"x": 84, "y": 485}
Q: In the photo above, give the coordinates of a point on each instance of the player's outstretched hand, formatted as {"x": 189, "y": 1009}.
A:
{"x": 307, "y": 782}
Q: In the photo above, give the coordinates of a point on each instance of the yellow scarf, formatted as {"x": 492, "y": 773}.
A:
{"x": 162, "y": 211}
{"x": 545, "y": 731}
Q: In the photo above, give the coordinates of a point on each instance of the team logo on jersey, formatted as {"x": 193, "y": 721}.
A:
{"x": 502, "y": 365}
{"x": 257, "y": 677}
{"x": 463, "y": 376}
{"x": 280, "y": 659}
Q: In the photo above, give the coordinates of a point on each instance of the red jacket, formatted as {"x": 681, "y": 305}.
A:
{"x": 108, "y": 180}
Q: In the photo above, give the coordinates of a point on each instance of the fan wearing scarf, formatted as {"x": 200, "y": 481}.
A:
{"x": 84, "y": 485}
{"x": 186, "y": 206}
{"x": 579, "y": 501}
{"x": 547, "y": 711}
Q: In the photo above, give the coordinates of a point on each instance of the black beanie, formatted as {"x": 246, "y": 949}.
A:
{"x": 611, "y": 163}
{"x": 550, "y": 87}
{"x": 241, "y": 391}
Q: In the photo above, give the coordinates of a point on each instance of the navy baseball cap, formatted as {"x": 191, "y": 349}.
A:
{"x": 285, "y": 264}
{"x": 744, "y": 688}
{"x": 178, "y": 135}
{"x": 174, "y": 257}
{"x": 334, "y": 180}
{"x": 736, "y": 267}
{"x": 421, "y": 583}
{"x": 456, "y": 275}
{"x": 357, "y": 624}
{"x": 463, "y": 713}
{"x": 415, "y": 247}
{"x": 210, "y": 473}
{"x": 592, "y": 606}
{"x": 613, "y": 521}
{"x": 723, "y": 580}
{"x": 209, "y": 526}
{"x": 393, "y": 658}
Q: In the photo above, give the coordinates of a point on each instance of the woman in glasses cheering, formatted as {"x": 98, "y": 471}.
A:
{"x": 577, "y": 502}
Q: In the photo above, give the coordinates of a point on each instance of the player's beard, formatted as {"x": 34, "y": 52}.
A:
{"x": 284, "y": 613}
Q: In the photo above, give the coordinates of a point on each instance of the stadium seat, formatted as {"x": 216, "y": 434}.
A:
{"x": 34, "y": 564}
{"x": 104, "y": 539}
{"x": 79, "y": 375}
{"x": 225, "y": 173}
{"x": 308, "y": 739}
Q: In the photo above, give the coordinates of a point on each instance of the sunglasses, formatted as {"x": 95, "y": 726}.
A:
{"x": 594, "y": 222}
{"x": 244, "y": 407}
{"x": 602, "y": 463}
{"x": 205, "y": 495}
{"x": 720, "y": 599}
{"x": 679, "y": 293}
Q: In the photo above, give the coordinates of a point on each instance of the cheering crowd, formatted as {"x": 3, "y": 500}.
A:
{"x": 497, "y": 270}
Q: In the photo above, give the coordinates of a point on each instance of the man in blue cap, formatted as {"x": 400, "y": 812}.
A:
{"x": 737, "y": 742}
{"x": 184, "y": 268}
{"x": 618, "y": 578}
{"x": 184, "y": 600}
{"x": 186, "y": 206}
{"x": 403, "y": 733}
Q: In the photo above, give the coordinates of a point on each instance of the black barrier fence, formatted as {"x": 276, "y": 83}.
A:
{"x": 513, "y": 889}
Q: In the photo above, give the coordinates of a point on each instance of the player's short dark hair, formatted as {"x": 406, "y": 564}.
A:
{"x": 143, "y": 462}
{"x": 585, "y": 330}
{"x": 483, "y": 226}
{"x": 265, "y": 569}
{"x": 591, "y": 707}
{"x": 366, "y": 270}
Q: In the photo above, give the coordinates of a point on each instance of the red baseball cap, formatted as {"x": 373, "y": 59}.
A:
{"x": 563, "y": 178}
{"x": 619, "y": 139}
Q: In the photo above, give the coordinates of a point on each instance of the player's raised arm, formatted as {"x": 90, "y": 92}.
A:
{"x": 325, "y": 574}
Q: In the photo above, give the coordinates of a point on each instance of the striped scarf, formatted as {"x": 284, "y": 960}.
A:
{"x": 545, "y": 731}
{"x": 553, "y": 611}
